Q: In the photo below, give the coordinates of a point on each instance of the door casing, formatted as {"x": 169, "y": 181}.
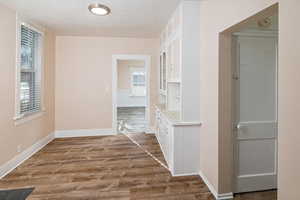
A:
{"x": 115, "y": 59}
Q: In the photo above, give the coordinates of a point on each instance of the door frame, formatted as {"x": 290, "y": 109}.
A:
{"x": 115, "y": 59}
{"x": 235, "y": 92}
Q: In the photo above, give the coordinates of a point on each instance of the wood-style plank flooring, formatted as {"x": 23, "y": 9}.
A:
{"x": 108, "y": 168}
{"x": 149, "y": 144}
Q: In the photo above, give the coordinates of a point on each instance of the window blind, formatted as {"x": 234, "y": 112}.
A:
{"x": 30, "y": 69}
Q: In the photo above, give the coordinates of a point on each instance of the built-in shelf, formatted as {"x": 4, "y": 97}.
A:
{"x": 178, "y": 117}
{"x": 180, "y": 64}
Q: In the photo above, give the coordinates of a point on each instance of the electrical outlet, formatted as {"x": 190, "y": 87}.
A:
{"x": 19, "y": 148}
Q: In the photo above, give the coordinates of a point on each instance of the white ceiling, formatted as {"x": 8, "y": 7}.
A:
{"x": 129, "y": 18}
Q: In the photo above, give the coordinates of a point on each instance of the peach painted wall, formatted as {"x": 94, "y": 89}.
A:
{"x": 124, "y": 75}
{"x": 215, "y": 17}
{"x": 25, "y": 135}
{"x": 289, "y": 98}
{"x": 84, "y": 78}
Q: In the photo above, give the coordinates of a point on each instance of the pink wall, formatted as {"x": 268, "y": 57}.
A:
{"x": 215, "y": 164}
{"x": 289, "y": 98}
{"x": 26, "y": 134}
{"x": 215, "y": 17}
{"x": 84, "y": 78}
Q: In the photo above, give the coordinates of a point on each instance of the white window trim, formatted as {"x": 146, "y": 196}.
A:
{"x": 28, "y": 118}
{"x": 132, "y": 71}
{"x": 23, "y": 118}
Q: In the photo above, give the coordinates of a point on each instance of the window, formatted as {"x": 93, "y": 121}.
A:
{"x": 29, "y": 69}
{"x": 138, "y": 84}
{"x": 138, "y": 79}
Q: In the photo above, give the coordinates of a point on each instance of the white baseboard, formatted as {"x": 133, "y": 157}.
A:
{"x": 84, "y": 133}
{"x": 187, "y": 174}
{"x": 19, "y": 159}
{"x": 224, "y": 196}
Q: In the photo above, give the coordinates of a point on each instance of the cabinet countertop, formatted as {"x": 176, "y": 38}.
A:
{"x": 174, "y": 117}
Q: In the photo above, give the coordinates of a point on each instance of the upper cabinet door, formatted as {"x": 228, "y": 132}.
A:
{"x": 176, "y": 59}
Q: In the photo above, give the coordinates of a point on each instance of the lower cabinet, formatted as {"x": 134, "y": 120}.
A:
{"x": 179, "y": 142}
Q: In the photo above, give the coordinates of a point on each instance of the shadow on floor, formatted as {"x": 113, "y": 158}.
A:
{"x": 149, "y": 144}
{"x": 18, "y": 194}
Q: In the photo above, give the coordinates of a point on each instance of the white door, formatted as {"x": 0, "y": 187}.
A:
{"x": 256, "y": 114}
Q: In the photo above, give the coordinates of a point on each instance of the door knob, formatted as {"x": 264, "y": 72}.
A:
{"x": 238, "y": 127}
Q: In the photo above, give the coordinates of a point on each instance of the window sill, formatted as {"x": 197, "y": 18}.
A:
{"x": 132, "y": 95}
{"x": 19, "y": 120}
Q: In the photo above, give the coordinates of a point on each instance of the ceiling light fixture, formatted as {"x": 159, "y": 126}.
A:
{"x": 99, "y": 9}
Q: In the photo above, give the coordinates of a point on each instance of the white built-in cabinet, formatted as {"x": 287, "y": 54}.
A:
{"x": 178, "y": 114}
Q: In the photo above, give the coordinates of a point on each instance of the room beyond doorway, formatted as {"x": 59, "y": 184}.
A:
{"x": 132, "y": 119}
{"x": 131, "y": 93}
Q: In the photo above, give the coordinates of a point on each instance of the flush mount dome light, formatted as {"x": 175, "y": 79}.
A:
{"x": 99, "y": 9}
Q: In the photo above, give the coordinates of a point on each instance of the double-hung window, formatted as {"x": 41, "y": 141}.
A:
{"x": 29, "y": 71}
{"x": 138, "y": 83}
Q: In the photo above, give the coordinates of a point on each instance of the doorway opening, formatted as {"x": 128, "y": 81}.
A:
{"x": 248, "y": 105}
{"x": 131, "y": 103}
{"x": 255, "y": 108}
{"x": 131, "y": 93}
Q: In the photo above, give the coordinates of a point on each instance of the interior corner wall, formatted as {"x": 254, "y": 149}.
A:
{"x": 83, "y": 94}
{"x": 215, "y": 17}
{"x": 26, "y": 134}
{"x": 289, "y": 98}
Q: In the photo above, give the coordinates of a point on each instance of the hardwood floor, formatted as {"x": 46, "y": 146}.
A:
{"x": 131, "y": 119}
{"x": 108, "y": 168}
{"x": 266, "y": 195}
{"x": 150, "y": 145}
